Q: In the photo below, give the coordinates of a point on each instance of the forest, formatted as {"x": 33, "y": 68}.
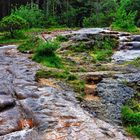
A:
{"x": 78, "y": 13}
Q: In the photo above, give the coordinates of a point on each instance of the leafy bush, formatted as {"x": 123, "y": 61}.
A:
{"x": 135, "y": 130}
{"x": 12, "y": 23}
{"x": 49, "y": 61}
{"x": 31, "y": 13}
{"x": 103, "y": 14}
{"x": 124, "y": 20}
{"x": 51, "y": 22}
{"x": 47, "y": 49}
{"x": 61, "y": 38}
{"x": 131, "y": 116}
{"x": 104, "y": 48}
{"x": 45, "y": 54}
{"x": 87, "y": 22}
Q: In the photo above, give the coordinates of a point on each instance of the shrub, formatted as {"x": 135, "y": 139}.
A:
{"x": 51, "y": 22}
{"x": 124, "y": 20}
{"x": 104, "y": 48}
{"x": 61, "y": 38}
{"x": 87, "y": 22}
{"x": 31, "y": 13}
{"x": 49, "y": 61}
{"x": 47, "y": 49}
{"x": 45, "y": 54}
{"x": 12, "y": 23}
{"x": 131, "y": 116}
{"x": 135, "y": 130}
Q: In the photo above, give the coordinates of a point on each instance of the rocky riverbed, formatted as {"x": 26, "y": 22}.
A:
{"x": 42, "y": 111}
{"x": 107, "y": 88}
{"x": 48, "y": 110}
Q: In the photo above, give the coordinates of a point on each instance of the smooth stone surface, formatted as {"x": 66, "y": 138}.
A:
{"x": 136, "y": 38}
{"x": 125, "y": 55}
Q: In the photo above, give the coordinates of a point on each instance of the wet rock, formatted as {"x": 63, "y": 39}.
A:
{"x": 125, "y": 55}
{"x": 80, "y": 37}
{"x": 136, "y": 38}
{"x": 9, "y": 121}
{"x": 133, "y": 45}
{"x": 6, "y": 102}
{"x": 55, "y": 113}
{"x": 128, "y": 78}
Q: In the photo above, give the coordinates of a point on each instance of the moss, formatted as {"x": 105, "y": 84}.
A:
{"x": 52, "y": 74}
{"x": 72, "y": 79}
{"x": 80, "y": 47}
{"x": 30, "y": 45}
{"x": 131, "y": 116}
{"x": 78, "y": 85}
{"x": 134, "y": 130}
{"x": 61, "y": 38}
{"x": 135, "y": 63}
{"x": 81, "y": 96}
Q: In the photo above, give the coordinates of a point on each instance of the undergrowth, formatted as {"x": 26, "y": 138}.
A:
{"x": 131, "y": 116}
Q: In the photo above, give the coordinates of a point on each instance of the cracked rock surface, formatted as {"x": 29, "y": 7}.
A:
{"x": 33, "y": 111}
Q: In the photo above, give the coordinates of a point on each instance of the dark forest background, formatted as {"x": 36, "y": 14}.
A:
{"x": 79, "y": 13}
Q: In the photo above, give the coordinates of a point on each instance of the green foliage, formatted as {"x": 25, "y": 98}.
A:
{"x": 47, "y": 49}
{"x": 135, "y": 130}
{"x": 55, "y": 74}
{"x": 135, "y": 63}
{"x": 31, "y": 13}
{"x": 49, "y": 61}
{"x": 12, "y": 23}
{"x": 103, "y": 14}
{"x": 78, "y": 85}
{"x": 51, "y": 22}
{"x": 45, "y": 54}
{"x": 61, "y": 38}
{"x": 87, "y": 22}
{"x": 104, "y": 48}
{"x": 131, "y": 116}
{"x": 80, "y": 47}
{"x": 125, "y": 20}
{"x": 30, "y": 45}
{"x": 102, "y": 55}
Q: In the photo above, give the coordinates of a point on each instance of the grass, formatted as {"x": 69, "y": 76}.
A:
{"x": 4, "y": 39}
{"x": 64, "y": 75}
{"x": 45, "y": 54}
{"x": 135, "y": 63}
{"x": 104, "y": 48}
{"x": 61, "y": 38}
{"x": 19, "y": 37}
{"x": 30, "y": 45}
{"x": 131, "y": 116}
{"x": 49, "y": 61}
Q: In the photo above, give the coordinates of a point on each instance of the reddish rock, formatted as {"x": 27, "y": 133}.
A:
{"x": 90, "y": 89}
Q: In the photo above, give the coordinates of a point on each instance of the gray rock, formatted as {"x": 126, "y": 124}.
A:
{"x": 6, "y": 101}
{"x": 136, "y": 38}
{"x": 53, "y": 114}
{"x": 113, "y": 95}
{"x": 125, "y": 55}
{"x": 80, "y": 37}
